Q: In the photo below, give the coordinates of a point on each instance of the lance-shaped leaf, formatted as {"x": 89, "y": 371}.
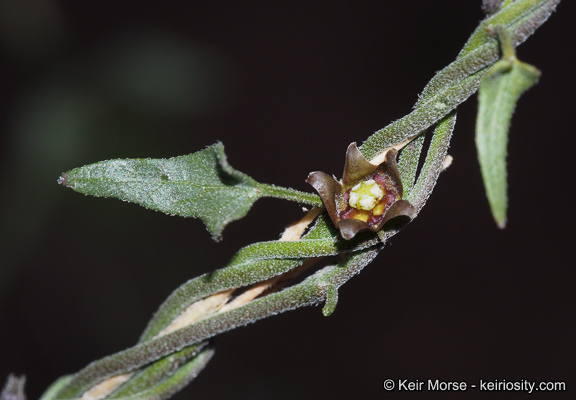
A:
{"x": 499, "y": 92}
{"x": 200, "y": 185}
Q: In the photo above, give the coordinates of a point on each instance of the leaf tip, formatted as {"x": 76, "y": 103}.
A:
{"x": 501, "y": 222}
{"x": 63, "y": 180}
{"x": 216, "y": 236}
{"x": 331, "y": 300}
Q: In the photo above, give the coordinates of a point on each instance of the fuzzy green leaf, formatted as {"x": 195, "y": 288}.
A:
{"x": 434, "y": 160}
{"x": 331, "y": 300}
{"x": 166, "y": 376}
{"x": 52, "y": 392}
{"x": 200, "y": 185}
{"x": 256, "y": 263}
{"x": 408, "y": 163}
{"x": 499, "y": 92}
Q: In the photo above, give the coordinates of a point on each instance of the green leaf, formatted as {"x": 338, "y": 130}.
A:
{"x": 433, "y": 162}
{"x": 256, "y": 263}
{"x": 200, "y": 185}
{"x": 499, "y": 92}
{"x": 52, "y": 392}
{"x": 408, "y": 163}
{"x": 331, "y": 300}
{"x": 165, "y": 377}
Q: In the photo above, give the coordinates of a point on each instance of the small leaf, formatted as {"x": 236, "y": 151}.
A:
{"x": 331, "y": 300}
{"x": 163, "y": 378}
{"x": 200, "y": 185}
{"x": 499, "y": 92}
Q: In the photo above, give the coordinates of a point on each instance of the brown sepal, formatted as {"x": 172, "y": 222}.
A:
{"x": 356, "y": 166}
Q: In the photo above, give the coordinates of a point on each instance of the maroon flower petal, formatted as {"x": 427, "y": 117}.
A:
{"x": 356, "y": 166}
{"x": 350, "y": 227}
{"x": 400, "y": 209}
{"x": 328, "y": 188}
{"x": 390, "y": 167}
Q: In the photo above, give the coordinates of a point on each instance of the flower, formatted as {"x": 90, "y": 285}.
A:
{"x": 367, "y": 197}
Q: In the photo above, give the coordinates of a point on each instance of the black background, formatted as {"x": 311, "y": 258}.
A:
{"x": 286, "y": 87}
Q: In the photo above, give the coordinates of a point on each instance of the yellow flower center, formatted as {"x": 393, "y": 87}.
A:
{"x": 365, "y": 195}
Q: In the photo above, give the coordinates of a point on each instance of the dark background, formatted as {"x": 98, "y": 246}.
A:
{"x": 286, "y": 86}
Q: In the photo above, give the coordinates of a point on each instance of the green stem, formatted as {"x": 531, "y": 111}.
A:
{"x": 508, "y": 51}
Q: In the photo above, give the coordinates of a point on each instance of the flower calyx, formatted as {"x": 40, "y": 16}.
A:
{"x": 367, "y": 197}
